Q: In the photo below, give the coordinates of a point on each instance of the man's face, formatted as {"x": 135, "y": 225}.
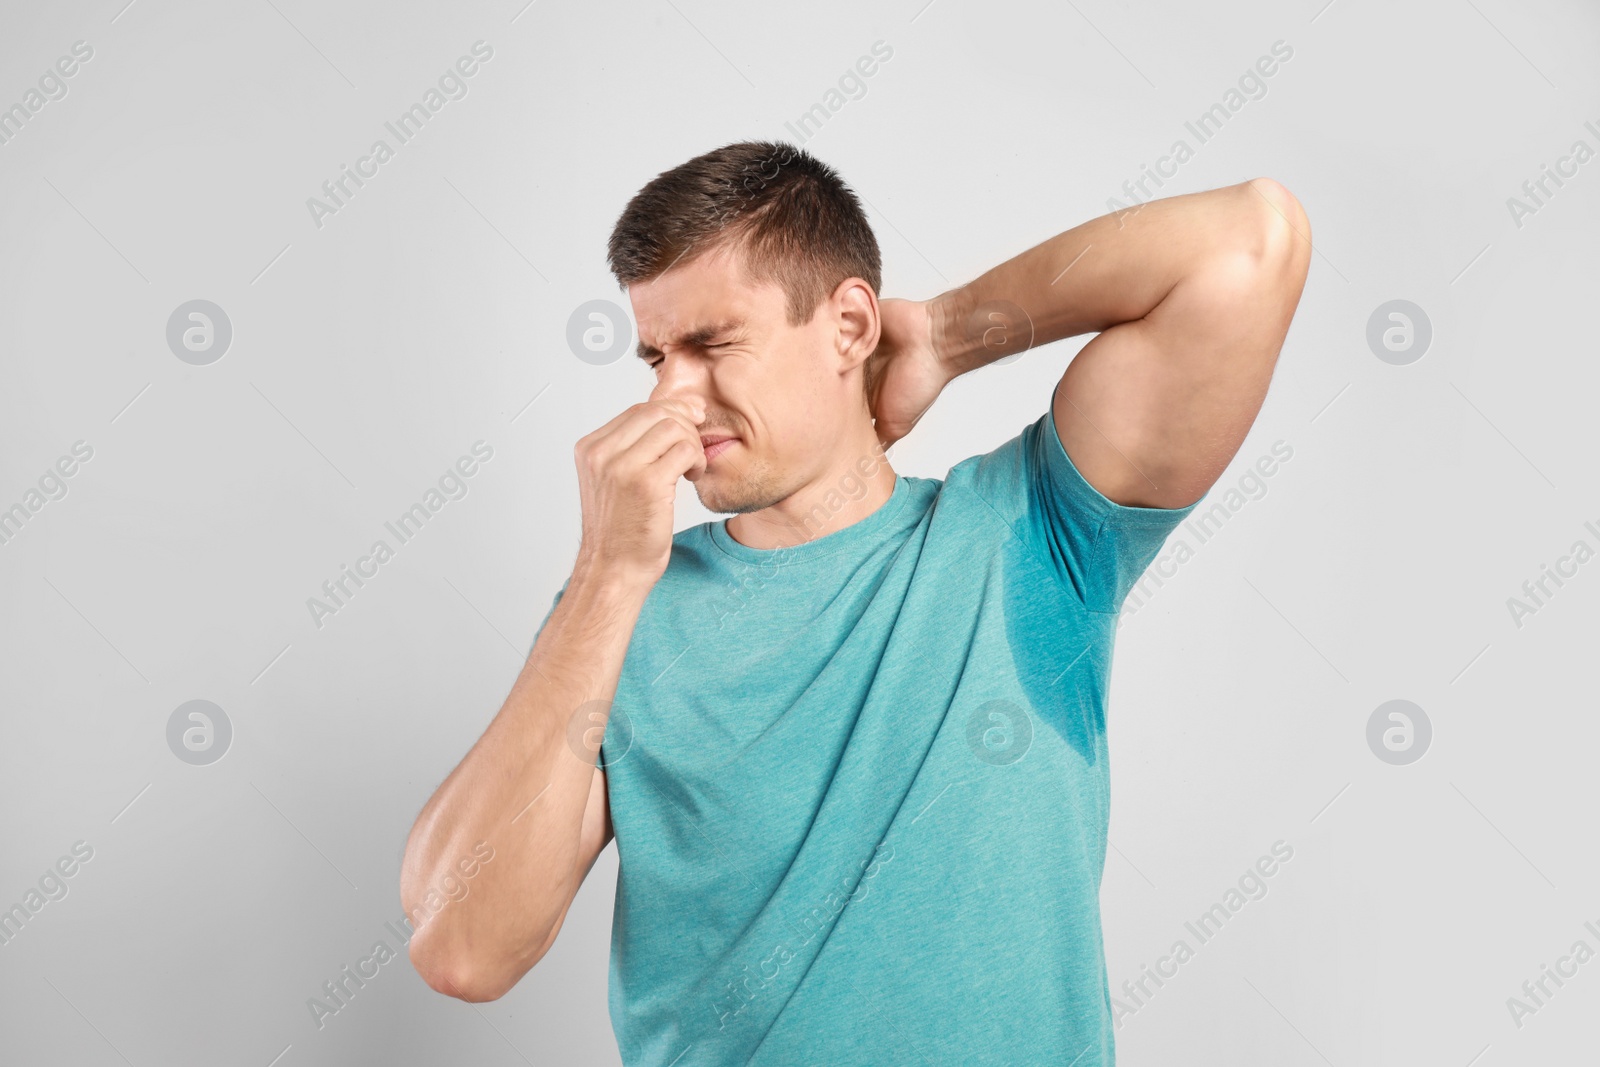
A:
{"x": 782, "y": 392}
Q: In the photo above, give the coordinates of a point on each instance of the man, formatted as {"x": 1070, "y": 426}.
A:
{"x": 854, "y": 752}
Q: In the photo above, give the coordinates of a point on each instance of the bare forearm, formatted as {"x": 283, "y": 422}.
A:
{"x": 522, "y": 789}
{"x": 1109, "y": 270}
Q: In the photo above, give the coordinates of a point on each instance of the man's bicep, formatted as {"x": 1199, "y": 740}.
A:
{"x": 595, "y": 833}
{"x": 593, "y": 836}
{"x": 1153, "y": 410}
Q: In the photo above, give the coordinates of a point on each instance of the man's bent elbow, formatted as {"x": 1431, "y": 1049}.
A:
{"x": 1285, "y": 228}
{"x": 456, "y": 974}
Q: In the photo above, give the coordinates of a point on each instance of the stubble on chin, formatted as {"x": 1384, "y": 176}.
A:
{"x": 738, "y": 493}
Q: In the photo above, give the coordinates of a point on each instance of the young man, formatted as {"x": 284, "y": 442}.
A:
{"x": 855, "y": 760}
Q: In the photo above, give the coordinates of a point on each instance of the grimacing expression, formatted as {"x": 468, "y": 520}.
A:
{"x": 780, "y": 390}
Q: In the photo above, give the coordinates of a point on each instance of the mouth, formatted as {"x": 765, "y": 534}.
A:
{"x": 716, "y": 444}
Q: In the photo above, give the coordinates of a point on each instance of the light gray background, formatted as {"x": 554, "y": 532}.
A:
{"x": 371, "y": 352}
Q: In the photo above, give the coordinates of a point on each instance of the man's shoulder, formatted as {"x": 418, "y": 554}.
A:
{"x": 998, "y": 477}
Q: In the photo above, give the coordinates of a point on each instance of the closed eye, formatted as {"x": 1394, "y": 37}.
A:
{"x": 652, "y": 364}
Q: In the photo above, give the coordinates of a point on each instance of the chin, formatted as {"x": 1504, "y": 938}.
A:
{"x": 714, "y": 499}
{"x": 725, "y": 495}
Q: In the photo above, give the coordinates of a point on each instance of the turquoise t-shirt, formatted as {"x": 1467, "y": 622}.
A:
{"x": 860, "y": 788}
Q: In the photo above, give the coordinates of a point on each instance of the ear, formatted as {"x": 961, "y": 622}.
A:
{"x": 855, "y": 308}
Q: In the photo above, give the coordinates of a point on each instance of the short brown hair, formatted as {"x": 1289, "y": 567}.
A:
{"x": 792, "y": 216}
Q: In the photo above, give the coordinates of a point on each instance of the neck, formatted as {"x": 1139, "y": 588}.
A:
{"x": 828, "y": 503}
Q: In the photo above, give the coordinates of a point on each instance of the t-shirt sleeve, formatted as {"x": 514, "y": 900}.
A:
{"x": 1096, "y": 547}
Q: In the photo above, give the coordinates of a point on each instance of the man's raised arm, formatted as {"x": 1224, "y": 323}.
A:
{"x": 1192, "y": 297}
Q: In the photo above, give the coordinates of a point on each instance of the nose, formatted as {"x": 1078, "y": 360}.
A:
{"x": 681, "y": 382}
{"x": 690, "y": 399}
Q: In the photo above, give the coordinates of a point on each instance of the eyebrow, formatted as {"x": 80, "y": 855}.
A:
{"x": 697, "y": 337}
